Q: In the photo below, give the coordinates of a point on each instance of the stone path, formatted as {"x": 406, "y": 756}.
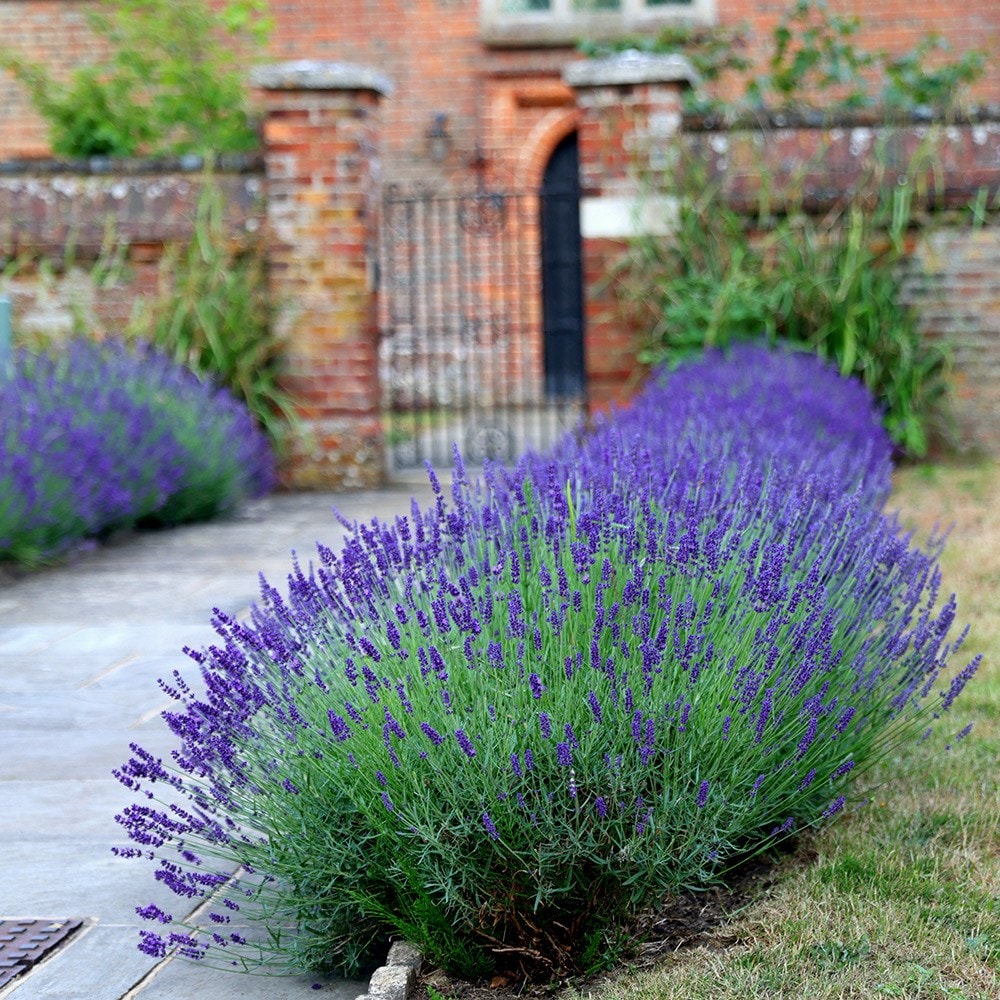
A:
{"x": 81, "y": 648}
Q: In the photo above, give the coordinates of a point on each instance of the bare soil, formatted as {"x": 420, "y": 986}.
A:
{"x": 687, "y": 920}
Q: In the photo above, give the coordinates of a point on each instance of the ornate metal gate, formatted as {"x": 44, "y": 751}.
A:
{"x": 463, "y": 356}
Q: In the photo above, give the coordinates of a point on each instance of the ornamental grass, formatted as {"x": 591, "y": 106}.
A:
{"x": 507, "y": 724}
{"x": 99, "y": 437}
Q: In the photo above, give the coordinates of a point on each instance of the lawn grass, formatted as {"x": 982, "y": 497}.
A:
{"x": 900, "y": 898}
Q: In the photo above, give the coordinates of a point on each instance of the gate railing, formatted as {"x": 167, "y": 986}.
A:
{"x": 462, "y": 358}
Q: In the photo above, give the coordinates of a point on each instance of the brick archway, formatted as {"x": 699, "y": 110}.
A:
{"x": 541, "y": 144}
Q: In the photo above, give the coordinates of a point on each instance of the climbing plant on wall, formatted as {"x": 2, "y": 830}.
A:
{"x": 173, "y": 80}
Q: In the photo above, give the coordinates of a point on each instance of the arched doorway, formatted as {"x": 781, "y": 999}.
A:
{"x": 562, "y": 273}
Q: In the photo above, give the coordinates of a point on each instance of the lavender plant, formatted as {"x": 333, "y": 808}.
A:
{"x": 501, "y": 727}
{"x": 99, "y": 437}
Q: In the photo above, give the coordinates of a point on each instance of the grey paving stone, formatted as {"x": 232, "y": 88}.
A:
{"x": 62, "y": 877}
{"x": 99, "y": 963}
{"x": 37, "y": 757}
{"x": 184, "y": 980}
{"x": 66, "y": 713}
{"x": 81, "y": 648}
{"x": 28, "y": 638}
{"x": 89, "y": 805}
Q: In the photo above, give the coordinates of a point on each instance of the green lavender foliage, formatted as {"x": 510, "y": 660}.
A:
{"x": 505, "y": 725}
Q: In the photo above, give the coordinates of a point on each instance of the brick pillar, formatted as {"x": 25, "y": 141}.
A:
{"x": 630, "y": 107}
{"x": 321, "y": 146}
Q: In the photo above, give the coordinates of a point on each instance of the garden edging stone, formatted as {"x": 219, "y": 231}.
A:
{"x": 396, "y": 979}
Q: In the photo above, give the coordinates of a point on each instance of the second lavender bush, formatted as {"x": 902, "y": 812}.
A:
{"x": 99, "y": 437}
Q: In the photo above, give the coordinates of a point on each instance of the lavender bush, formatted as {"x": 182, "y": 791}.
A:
{"x": 500, "y": 727}
{"x": 100, "y": 436}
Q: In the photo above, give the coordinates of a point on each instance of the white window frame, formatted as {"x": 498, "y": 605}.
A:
{"x": 562, "y": 25}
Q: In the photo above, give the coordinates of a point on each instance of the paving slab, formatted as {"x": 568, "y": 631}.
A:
{"x": 81, "y": 648}
{"x": 100, "y": 962}
{"x": 182, "y": 979}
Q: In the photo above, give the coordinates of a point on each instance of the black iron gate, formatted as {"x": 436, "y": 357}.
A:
{"x": 463, "y": 352}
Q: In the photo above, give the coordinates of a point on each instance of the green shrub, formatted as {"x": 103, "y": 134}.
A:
{"x": 214, "y": 314}
{"x": 174, "y": 81}
{"x": 830, "y": 284}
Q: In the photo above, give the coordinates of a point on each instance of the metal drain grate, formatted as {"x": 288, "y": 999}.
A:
{"x": 25, "y": 943}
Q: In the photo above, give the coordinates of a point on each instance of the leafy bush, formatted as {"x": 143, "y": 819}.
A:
{"x": 830, "y": 284}
{"x": 98, "y": 437}
{"x": 214, "y": 315}
{"x": 169, "y": 83}
{"x": 814, "y": 62}
{"x": 501, "y": 728}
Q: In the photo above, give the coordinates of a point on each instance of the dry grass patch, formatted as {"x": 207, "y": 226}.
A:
{"x": 901, "y": 898}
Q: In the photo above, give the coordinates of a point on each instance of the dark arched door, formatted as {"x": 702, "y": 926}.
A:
{"x": 562, "y": 273}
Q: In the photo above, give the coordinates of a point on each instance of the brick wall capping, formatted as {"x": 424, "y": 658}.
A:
{"x": 805, "y": 118}
{"x": 104, "y": 166}
{"x": 318, "y": 74}
{"x": 631, "y": 67}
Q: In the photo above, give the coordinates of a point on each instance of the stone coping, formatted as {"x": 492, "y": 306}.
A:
{"x": 113, "y": 166}
{"x": 631, "y": 67}
{"x": 318, "y": 74}
{"x": 396, "y": 979}
{"x": 816, "y": 118}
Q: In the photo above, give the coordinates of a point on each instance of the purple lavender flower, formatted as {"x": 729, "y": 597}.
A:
{"x": 465, "y": 743}
{"x": 544, "y": 725}
{"x": 808, "y": 738}
{"x": 763, "y": 716}
{"x": 152, "y": 944}
{"x": 431, "y": 733}
{"x": 490, "y": 828}
{"x": 784, "y": 827}
{"x": 338, "y": 725}
{"x": 834, "y": 807}
{"x": 564, "y": 755}
{"x": 844, "y": 721}
{"x": 702, "y": 795}
{"x": 153, "y": 912}
{"x": 595, "y": 706}
{"x": 535, "y": 683}
{"x": 100, "y": 436}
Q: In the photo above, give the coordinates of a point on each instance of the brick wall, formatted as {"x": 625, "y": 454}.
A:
{"x": 894, "y": 26}
{"x": 955, "y": 287}
{"x": 70, "y": 215}
{"x": 315, "y": 190}
{"x": 322, "y": 137}
{"x": 433, "y": 52}
{"x": 53, "y": 32}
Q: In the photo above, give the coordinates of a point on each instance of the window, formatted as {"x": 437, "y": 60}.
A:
{"x": 524, "y": 23}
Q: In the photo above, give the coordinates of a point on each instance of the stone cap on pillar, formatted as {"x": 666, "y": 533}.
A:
{"x": 631, "y": 67}
{"x": 319, "y": 74}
